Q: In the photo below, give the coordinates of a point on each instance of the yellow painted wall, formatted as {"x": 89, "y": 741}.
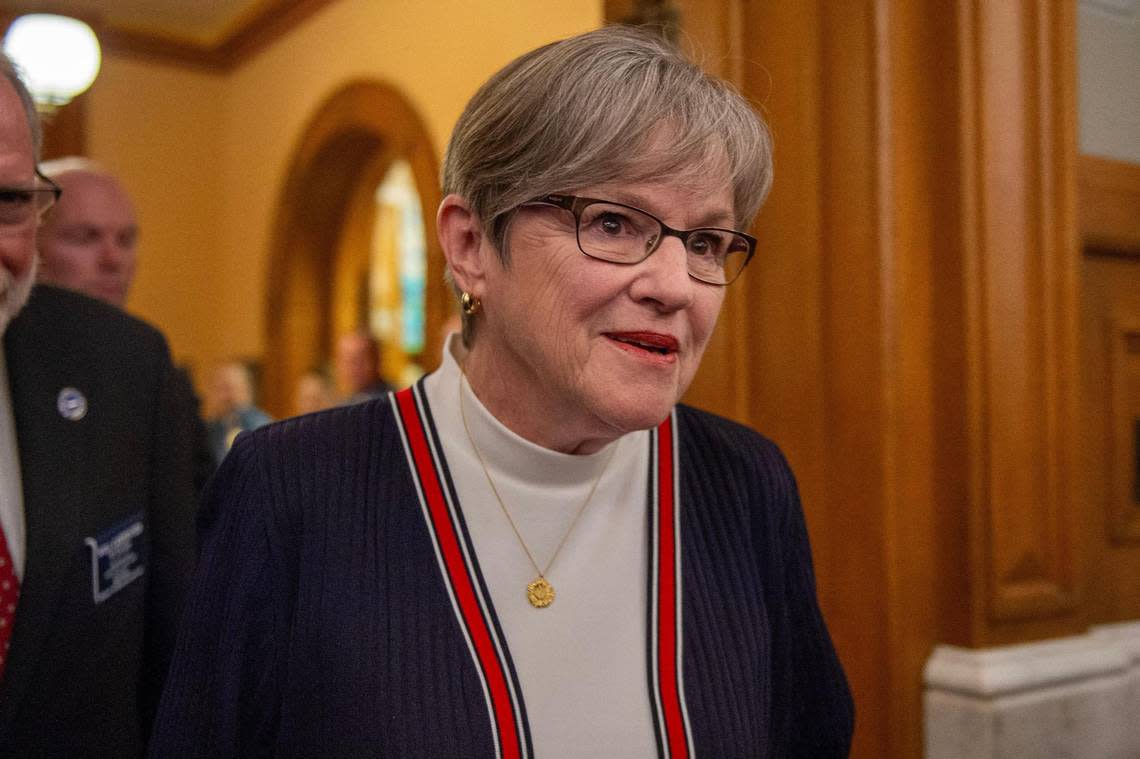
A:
{"x": 206, "y": 155}
{"x": 157, "y": 127}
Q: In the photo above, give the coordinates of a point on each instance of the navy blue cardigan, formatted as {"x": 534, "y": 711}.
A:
{"x": 320, "y": 622}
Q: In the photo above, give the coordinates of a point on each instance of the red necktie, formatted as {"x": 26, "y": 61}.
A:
{"x": 9, "y": 595}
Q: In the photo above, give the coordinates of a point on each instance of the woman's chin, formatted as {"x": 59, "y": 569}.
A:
{"x": 626, "y": 410}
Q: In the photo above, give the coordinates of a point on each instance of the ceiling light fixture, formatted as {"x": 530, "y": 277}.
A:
{"x": 58, "y": 56}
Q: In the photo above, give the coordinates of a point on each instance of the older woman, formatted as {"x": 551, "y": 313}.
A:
{"x": 533, "y": 551}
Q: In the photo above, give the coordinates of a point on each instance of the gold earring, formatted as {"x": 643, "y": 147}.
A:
{"x": 470, "y": 303}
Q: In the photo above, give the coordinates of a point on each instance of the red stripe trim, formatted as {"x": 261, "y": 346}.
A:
{"x": 459, "y": 577}
{"x": 667, "y": 609}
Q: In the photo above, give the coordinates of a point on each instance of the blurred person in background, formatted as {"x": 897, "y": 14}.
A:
{"x": 88, "y": 241}
{"x": 314, "y": 393}
{"x": 231, "y": 408}
{"x": 97, "y": 500}
{"x": 357, "y": 367}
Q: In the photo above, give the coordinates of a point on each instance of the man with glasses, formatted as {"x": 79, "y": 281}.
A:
{"x": 96, "y": 494}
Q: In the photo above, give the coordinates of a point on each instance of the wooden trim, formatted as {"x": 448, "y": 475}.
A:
{"x": 255, "y": 30}
{"x": 263, "y": 26}
{"x": 154, "y": 47}
{"x": 1109, "y": 205}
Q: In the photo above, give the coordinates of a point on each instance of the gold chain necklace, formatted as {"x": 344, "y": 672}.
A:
{"x": 539, "y": 592}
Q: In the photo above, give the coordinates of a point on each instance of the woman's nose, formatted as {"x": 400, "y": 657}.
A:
{"x": 664, "y": 277}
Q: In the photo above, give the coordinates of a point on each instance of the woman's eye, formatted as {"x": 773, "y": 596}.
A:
{"x": 705, "y": 245}
{"x": 614, "y": 222}
{"x": 611, "y": 223}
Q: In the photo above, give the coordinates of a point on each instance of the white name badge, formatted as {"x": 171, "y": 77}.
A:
{"x": 117, "y": 557}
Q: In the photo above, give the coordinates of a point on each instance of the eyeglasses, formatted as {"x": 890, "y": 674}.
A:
{"x": 20, "y": 205}
{"x": 622, "y": 234}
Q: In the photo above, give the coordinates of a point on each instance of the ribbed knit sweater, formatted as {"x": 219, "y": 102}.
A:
{"x": 339, "y": 610}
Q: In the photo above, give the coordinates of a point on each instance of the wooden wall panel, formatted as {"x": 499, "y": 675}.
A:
{"x": 926, "y": 514}
{"x": 1019, "y": 160}
{"x": 1123, "y": 396}
{"x": 1110, "y": 310}
{"x": 854, "y": 311}
{"x": 1109, "y": 206}
{"x": 1109, "y": 209}
{"x": 1110, "y": 370}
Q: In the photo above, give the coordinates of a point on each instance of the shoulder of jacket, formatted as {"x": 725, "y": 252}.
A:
{"x": 72, "y": 315}
{"x": 729, "y": 434}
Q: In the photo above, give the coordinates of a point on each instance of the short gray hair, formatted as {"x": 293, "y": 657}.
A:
{"x": 12, "y": 74}
{"x": 580, "y": 112}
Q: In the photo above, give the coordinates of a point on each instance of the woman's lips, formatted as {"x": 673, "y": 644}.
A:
{"x": 647, "y": 344}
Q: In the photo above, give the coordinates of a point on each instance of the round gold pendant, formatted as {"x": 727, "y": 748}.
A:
{"x": 540, "y": 593}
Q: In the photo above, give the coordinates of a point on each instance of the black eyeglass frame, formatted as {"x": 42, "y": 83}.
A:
{"x": 575, "y": 204}
{"x": 51, "y": 188}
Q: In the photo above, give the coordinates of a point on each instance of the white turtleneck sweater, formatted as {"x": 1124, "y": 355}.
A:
{"x": 581, "y": 661}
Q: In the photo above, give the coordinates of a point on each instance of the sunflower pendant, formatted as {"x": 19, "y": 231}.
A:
{"x": 540, "y": 593}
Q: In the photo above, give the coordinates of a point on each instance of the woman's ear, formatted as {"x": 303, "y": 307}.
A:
{"x": 461, "y": 237}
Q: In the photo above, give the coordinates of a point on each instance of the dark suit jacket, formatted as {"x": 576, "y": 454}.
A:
{"x": 100, "y": 596}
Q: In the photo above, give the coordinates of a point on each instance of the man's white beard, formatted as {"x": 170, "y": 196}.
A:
{"x": 14, "y": 292}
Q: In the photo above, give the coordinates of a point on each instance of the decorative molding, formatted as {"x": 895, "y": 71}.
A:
{"x": 1124, "y": 634}
{"x": 1073, "y": 697}
{"x": 1005, "y": 670}
{"x": 1019, "y": 232}
{"x": 264, "y": 26}
{"x": 158, "y": 48}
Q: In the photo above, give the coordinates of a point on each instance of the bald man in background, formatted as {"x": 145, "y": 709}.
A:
{"x": 88, "y": 243}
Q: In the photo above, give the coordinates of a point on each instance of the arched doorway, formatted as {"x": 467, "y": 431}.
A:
{"x": 323, "y": 232}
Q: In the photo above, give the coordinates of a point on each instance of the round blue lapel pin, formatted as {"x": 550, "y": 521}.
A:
{"x": 71, "y": 404}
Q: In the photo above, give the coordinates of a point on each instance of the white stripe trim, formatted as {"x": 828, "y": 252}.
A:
{"x": 424, "y": 509}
